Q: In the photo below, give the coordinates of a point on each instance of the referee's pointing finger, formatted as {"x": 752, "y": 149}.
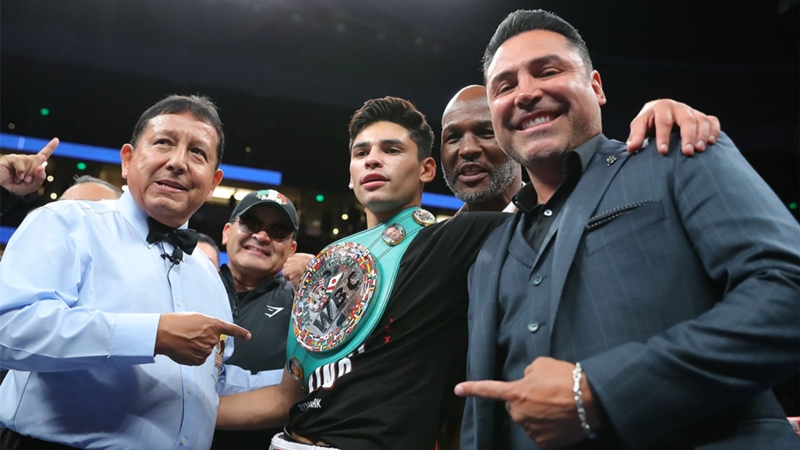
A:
{"x": 232, "y": 330}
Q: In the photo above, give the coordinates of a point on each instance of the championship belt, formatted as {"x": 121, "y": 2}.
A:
{"x": 344, "y": 291}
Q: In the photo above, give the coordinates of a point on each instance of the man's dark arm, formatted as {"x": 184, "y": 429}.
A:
{"x": 7, "y": 200}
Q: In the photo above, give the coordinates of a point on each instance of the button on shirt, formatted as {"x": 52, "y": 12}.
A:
{"x": 540, "y": 217}
{"x": 81, "y": 292}
{"x": 524, "y": 333}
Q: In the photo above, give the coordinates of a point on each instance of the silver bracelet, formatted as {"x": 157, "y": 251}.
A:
{"x": 577, "y": 374}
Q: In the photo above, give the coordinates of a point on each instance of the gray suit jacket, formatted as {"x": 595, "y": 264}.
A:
{"x": 675, "y": 282}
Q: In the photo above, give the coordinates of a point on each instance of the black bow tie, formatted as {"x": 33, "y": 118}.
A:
{"x": 182, "y": 238}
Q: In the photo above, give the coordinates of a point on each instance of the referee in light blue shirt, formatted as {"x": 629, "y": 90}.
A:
{"x": 114, "y": 331}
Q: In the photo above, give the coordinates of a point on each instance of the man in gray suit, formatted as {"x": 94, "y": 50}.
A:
{"x": 634, "y": 301}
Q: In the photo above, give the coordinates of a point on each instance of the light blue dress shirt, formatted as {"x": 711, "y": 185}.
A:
{"x": 81, "y": 292}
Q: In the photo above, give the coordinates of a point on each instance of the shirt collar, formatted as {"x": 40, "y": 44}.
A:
{"x": 135, "y": 215}
{"x": 587, "y": 150}
{"x": 575, "y": 164}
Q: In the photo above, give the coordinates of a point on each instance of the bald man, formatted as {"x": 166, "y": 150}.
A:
{"x": 474, "y": 166}
{"x": 92, "y": 189}
{"x": 486, "y": 179}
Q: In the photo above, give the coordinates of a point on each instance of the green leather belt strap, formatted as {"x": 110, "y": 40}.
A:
{"x": 387, "y": 259}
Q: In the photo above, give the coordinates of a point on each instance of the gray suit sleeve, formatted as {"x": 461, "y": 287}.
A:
{"x": 748, "y": 243}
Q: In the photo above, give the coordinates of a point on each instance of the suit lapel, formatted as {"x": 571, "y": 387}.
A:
{"x": 576, "y": 213}
{"x": 518, "y": 247}
{"x": 483, "y": 329}
{"x": 484, "y": 299}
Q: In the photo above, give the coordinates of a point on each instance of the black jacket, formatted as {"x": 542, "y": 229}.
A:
{"x": 265, "y": 312}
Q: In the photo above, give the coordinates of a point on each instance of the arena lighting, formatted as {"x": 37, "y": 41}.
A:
{"x": 5, "y": 234}
{"x": 226, "y": 192}
{"x": 241, "y": 194}
{"x": 111, "y": 156}
{"x": 441, "y": 201}
{"x": 239, "y": 173}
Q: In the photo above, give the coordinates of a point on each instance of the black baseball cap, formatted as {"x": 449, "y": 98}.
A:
{"x": 269, "y": 197}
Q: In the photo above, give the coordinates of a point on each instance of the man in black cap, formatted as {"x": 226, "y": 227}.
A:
{"x": 259, "y": 237}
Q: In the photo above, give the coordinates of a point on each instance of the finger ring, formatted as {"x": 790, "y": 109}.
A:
{"x": 508, "y": 407}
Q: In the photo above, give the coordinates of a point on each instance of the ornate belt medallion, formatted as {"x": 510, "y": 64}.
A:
{"x": 334, "y": 296}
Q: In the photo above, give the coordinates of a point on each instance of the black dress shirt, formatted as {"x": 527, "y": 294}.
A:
{"x": 539, "y": 217}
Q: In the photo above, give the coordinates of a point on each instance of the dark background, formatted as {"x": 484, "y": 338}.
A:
{"x": 287, "y": 75}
